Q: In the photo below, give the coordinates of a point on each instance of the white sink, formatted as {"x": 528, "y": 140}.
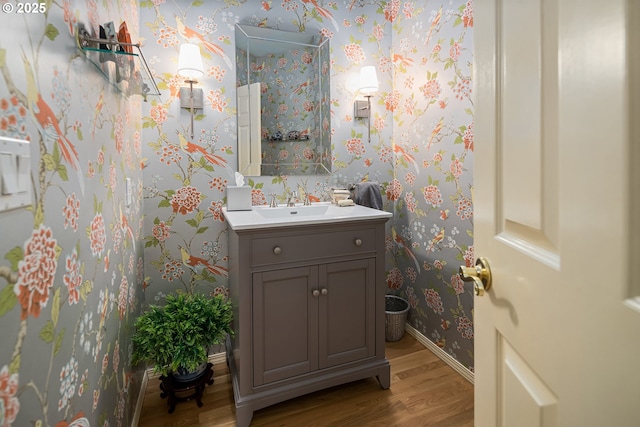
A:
{"x": 287, "y": 212}
{"x": 318, "y": 213}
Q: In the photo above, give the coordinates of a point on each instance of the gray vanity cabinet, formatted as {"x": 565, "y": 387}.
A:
{"x": 309, "y": 310}
{"x": 285, "y": 325}
{"x": 311, "y": 318}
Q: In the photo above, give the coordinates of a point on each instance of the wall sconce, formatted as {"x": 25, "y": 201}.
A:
{"x": 190, "y": 67}
{"x": 369, "y": 86}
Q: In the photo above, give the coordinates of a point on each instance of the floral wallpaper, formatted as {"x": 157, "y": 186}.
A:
{"x": 71, "y": 264}
{"x": 432, "y": 186}
{"x": 421, "y": 147}
{"x": 79, "y": 263}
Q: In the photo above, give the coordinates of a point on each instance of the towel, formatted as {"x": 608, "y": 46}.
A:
{"x": 368, "y": 194}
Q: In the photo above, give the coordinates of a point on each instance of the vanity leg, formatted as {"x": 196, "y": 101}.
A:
{"x": 244, "y": 414}
{"x": 384, "y": 377}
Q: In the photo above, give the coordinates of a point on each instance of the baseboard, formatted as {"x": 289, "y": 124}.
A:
{"x": 446, "y": 357}
{"x": 143, "y": 389}
{"x": 216, "y": 358}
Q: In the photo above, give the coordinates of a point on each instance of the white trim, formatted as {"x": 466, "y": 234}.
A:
{"x": 141, "y": 394}
{"x": 446, "y": 357}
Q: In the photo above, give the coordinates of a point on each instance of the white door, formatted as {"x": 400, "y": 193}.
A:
{"x": 249, "y": 124}
{"x": 557, "y": 190}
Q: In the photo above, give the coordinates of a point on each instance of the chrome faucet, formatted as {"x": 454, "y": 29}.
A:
{"x": 307, "y": 199}
{"x": 273, "y": 203}
{"x": 292, "y": 200}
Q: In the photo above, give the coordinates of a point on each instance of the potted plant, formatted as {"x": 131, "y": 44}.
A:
{"x": 176, "y": 337}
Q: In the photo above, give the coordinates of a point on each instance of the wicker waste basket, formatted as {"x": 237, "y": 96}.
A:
{"x": 396, "y": 310}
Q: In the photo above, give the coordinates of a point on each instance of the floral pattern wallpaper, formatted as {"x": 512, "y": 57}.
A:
{"x": 80, "y": 263}
{"x": 421, "y": 147}
{"x": 432, "y": 186}
{"x": 71, "y": 264}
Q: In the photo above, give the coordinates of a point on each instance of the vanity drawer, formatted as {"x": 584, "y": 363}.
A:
{"x": 279, "y": 249}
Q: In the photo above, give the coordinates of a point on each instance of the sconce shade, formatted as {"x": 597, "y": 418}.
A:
{"x": 190, "y": 61}
{"x": 368, "y": 79}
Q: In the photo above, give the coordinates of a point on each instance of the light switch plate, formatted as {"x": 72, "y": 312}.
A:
{"x": 15, "y": 173}
{"x": 9, "y": 173}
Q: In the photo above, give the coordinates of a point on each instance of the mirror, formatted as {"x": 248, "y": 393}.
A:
{"x": 284, "y": 124}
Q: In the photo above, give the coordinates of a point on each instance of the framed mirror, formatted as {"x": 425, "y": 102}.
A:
{"x": 283, "y": 91}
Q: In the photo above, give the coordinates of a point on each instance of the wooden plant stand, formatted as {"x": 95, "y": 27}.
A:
{"x": 183, "y": 391}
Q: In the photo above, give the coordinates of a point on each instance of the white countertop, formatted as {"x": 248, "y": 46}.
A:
{"x": 261, "y": 217}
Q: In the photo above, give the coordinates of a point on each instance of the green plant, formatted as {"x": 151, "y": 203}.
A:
{"x": 178, "y": 334}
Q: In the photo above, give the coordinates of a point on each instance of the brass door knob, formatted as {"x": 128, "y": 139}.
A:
{"x": 480, "y": 275}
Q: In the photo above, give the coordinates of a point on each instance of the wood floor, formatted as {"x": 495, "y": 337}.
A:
{"x": 424, "y": 392}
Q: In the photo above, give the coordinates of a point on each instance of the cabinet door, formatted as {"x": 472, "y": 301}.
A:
{"x": 285, "y": 324}
{"x": 347, "y": 316}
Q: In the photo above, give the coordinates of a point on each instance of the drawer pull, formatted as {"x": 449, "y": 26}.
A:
{"x": 324, "y": 291}
{"x": 358, "y": 242}
{"x": 277, "y": 250}
{"x": 315, "y": 293}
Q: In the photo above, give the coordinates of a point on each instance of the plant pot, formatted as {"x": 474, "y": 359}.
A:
{"x": 184, "y": 375}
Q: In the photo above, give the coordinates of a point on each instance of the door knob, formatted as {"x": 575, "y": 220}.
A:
{"x": 480, "y": 275}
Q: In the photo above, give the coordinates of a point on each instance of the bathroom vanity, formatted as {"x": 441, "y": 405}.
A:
{"x": 307, "y": 285}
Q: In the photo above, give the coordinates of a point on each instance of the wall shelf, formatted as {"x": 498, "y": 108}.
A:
{"x": 126, "y": 70}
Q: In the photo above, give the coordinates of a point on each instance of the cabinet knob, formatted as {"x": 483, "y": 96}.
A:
{"x": 358, "y": 242}
{"x": 315, "y": 293}
{"x": 277, "y": 250}
{"x": 324, "y": 291}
